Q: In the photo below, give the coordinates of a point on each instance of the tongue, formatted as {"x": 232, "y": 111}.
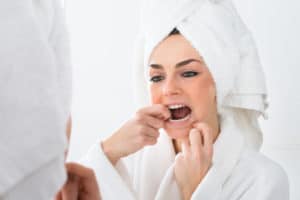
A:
{"x": 180, "y": 113}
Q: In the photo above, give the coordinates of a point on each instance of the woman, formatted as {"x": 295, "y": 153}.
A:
{"x": 206, "y": 89}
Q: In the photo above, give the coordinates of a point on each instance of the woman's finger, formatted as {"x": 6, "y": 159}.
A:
{"x": 153, "y": 122}
{"x": 157, "y": 110}
{"x": 150, "y": 132}
{"x": 208, "y": 141}
{"x": 58, "y": 196}
{"x": 206, "y": 132}
{"x": 79, "y": 170}
{"x": 207, "y": 137}
{"x": 185, "y": 147}
{"x": 71, "y": 189}
{"x": 196, "y": 141}
{"x": 150, "y": 141}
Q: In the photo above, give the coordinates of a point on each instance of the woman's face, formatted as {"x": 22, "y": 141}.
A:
{"x": 180, "y": 80}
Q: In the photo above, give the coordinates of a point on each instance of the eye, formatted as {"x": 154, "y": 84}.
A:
{"x": 156, "y": 78}
{"x": 188, "y": 74}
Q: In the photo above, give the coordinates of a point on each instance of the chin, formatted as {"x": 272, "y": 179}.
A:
{"x": 178, "y": 133}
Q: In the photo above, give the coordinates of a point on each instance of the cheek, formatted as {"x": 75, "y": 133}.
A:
{"x": 212, "y": 93}
{"x": 155, "y": 94}
{"x": 202, "y": 96}
{"x": 205, "y": 89}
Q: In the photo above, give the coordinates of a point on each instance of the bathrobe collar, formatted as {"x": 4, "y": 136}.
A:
{"x": 157, "y": 166}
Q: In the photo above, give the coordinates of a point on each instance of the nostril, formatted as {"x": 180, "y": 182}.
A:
{"x": 169, "y": 91}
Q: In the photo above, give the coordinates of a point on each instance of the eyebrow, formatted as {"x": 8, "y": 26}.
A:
{"x": 180, "y": 64}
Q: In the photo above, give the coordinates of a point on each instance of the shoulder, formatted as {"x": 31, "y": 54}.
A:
{"x": 262, "y": 170}
{"x": 263, "y": 166}
{"x": 255, "y": 176}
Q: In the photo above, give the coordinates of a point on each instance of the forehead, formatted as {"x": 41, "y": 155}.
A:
{"x": 172, "y": 50}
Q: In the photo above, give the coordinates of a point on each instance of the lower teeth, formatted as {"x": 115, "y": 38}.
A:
{"x": 182, "y": 119}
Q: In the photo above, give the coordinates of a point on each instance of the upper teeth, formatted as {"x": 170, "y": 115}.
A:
{"x": 176, "y": 106}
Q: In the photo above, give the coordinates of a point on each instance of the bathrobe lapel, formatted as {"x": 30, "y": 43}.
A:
{"x": 155, "y": 172}
{"x": 154, "y": 167}
{"x": 227, "y": 152}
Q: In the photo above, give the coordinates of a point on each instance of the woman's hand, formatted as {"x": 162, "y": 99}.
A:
{"x": 81, "y": 184}
{"x": 192, "y": 164}
{"x": 138, "y": 132}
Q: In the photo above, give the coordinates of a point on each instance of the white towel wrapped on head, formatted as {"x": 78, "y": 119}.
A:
{"x": 217, "y": 32}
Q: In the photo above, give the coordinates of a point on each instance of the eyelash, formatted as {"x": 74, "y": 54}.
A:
{"x": 155, "y": 79}
{"x": 187, "y": 74}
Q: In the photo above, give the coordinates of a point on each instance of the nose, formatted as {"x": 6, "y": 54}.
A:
{"x": 171, "y": 87}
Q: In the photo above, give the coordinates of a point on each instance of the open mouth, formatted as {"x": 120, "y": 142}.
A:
{"x": 179, "y": 112}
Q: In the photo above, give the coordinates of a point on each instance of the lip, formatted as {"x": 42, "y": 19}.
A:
{"x": 171, "y": 124}
{"x": 179, "y": 123}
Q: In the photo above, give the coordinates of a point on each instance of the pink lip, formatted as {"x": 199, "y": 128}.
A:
{"x": 179, "y": 124}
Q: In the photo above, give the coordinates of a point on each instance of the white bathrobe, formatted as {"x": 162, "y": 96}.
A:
{"x": 35, "y": 95}
{"x": 239, "y": 171}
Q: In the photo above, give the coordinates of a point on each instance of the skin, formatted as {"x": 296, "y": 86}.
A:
{"x": 190, "y": 83}
{"x": 81, "y": 183}
{"x": 178, "y": 75}
{"x": 195, "y": 159}
{"x": 138, "y": 132}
